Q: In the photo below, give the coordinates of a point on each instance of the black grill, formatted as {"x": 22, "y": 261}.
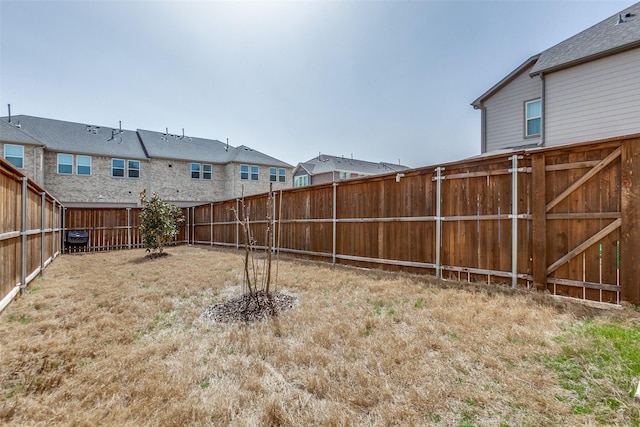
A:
{"x": 77, "y": 239}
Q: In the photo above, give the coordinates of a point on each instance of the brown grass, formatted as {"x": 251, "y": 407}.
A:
{"x": 116, "y": 339}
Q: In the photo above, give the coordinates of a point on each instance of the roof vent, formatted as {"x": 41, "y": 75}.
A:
{"x": 620, "y": 20}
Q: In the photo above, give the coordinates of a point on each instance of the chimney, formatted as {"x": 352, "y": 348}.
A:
{"x": 9, "y": 108}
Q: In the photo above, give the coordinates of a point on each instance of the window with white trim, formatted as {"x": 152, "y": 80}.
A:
{"x": 195, "y": 170}
{"x": 133, "y": 169}
{"x": 301, "y": 180}
{"x": 14, "y": 154}
{"x": 83, "y": 165}
{"x": 117, "y": 168}
{"x": 277, "y": 175}
{"x": 207, "y": 171}
{"x": 533, "y": 118}
{"x": 65, "y": 164}
{"x": 249, "y": 172}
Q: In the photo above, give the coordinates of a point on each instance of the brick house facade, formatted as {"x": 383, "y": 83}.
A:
{"x": 89, "y": 165}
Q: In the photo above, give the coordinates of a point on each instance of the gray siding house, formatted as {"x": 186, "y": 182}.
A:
{"x": 90, "y": 165}
{"x": 584, "y": 88}
{"x": 326, "y": 168}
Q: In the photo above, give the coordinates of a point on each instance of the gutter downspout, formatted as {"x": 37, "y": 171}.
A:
{"x": 543, "y": 107}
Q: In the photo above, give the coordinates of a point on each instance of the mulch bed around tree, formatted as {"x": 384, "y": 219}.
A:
{"x": 250, "y": 307}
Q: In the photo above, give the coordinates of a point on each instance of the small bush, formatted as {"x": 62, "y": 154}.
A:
{"x": 159, "y": 222}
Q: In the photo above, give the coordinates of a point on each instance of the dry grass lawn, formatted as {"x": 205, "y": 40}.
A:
{"x": 117, "y": 339}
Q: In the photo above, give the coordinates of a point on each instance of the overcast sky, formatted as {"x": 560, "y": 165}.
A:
{"x": 377, "y": 80}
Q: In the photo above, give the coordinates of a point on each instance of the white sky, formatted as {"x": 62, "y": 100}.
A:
{"x": 380, "y": 80}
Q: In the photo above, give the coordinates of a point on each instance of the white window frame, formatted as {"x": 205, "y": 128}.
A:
{"x": 12, "y": 157}
{"x": 69, "y": 163}
{"x": 122, "y": 168}
{"x": 207, "y": 171}
{"x": 79, "y": 160}
{"x": 301, "y": 180}
{"x": 131, "y": 168}
{"x": 528, "y": 119}
{"x": 277, "y": 175}
{"x": 254, "y": 172}
{"x": 244, "y": 172}
{"x": 195, "y": 170}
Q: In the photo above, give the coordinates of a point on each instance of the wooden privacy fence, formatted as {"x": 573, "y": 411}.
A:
{"x": 113, "y": 228}
{"x": 563, "y": 219}
{"x": 30, "y": 231}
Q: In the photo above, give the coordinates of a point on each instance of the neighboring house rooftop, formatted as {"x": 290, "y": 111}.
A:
{"x": 69, "y": 137}
{"x": 326, "y": 163}
{"x": 616, "y": 33}
{"x": 61, "y": 136}
{"x": 605, "y": 38}
{"x": 11, "y": 132}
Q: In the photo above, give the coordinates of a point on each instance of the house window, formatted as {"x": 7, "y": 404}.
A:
{"x": 247, "y": 172}
{"x": 277, "y": 175}
{"x": 345, "y": 175}
{"x": 301, "y": 181}
{"x": 195, "y": 170}
{"x": 117, "y": 168}
{"x": 14, "y": 154}
{"x": 83, "y": 165}
{"x": 206, "y": 172}
{"x": 533, "y": 116}
{"x": 133, "y": 169}
{"x": 65, "y": 164}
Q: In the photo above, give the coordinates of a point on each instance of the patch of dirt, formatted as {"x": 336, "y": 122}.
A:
{"x": 250, "y": 307}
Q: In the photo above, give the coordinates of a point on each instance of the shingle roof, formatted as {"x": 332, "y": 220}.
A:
{"x": 170, "y": 146}
{"x": 71, "y": 137}
{"x": 11, "y": 132}
{"x": 602, "y": 39}
{"x": 326, "y": 163}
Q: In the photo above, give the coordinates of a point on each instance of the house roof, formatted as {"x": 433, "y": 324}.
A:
{"x": 605, "y": 38}
{"x": 11, "y": 132}
{"x": 69, "y": 137}
{"x": 171, "y": 146}
{"x": 505, "y": 81}
{"x": 326, "y": 163}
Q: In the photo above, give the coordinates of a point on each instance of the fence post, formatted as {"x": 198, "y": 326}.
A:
{"x": 237, "y": 224}
{"x": 630, "y": 231}
{"x": 439, "y": 179}
{"x": 129, "y": 228}
{"x": 514, "y": 221}
{"x": 23, "y": 232}
{"x": 61, "y": 218}
{"x": 539, "y": 220}
{"x": 335, "y": 223}
{"x": 53, "y": 230}
{"x": 42, "y": 232}
{"x": 211, "y": 222}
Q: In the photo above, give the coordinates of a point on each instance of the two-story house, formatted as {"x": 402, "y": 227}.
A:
{"x": 91, "y": 165}
{"x": 326, "y": 168}
{"x": 584, "y": 88}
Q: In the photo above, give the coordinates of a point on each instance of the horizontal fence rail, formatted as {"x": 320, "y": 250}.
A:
{"x": 563, "y": 220}
{"x": 30, "y": 231}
